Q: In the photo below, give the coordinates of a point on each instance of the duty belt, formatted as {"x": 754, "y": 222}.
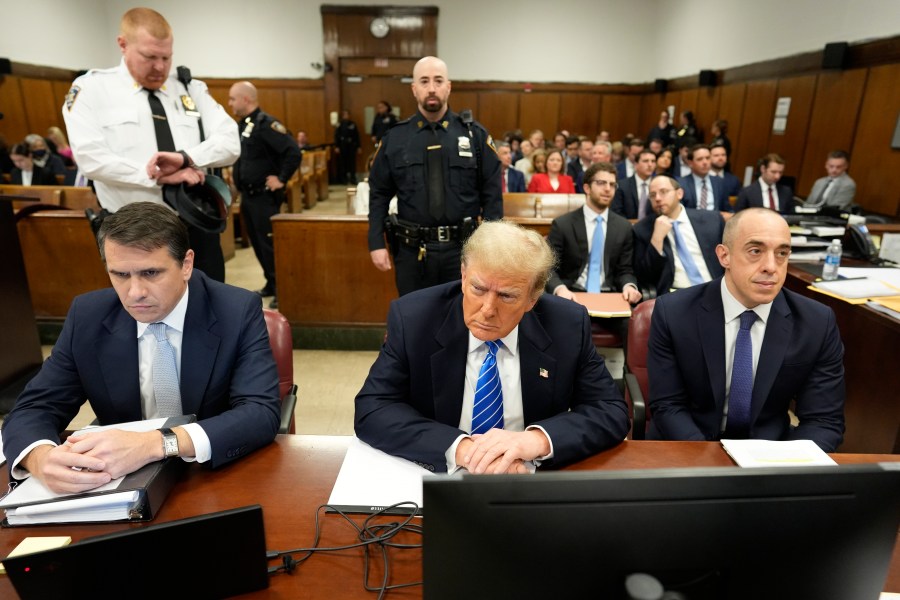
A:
{"x": 413, "y": 234}
{"x": 252, "y": 189}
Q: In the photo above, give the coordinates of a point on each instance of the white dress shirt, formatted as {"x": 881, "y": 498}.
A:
{"x": 111, "y": 132}
{"x": 733, "y": 310}
{"x": 510, "y": 382}
{"x": 765, "y": 194}
{"x": 681, "y": 279}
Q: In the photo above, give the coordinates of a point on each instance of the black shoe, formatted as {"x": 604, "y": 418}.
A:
{"x": 274, "y": 303}
{"x": 265, "y": 292}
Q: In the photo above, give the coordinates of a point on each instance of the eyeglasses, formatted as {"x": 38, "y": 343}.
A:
{"x": 604, "y": 183}
{"x": 660, "y": 193}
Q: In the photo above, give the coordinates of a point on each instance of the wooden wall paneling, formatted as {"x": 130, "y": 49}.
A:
{"x": 14, "y": 125}
{"x": 271, "y": 100}
{"x": 832, "y": 124}
{"x": 60, "y": 89}
{"x": 303, "y": 109}
{"x": 707, "y": 111}
{"x": 791, "y": 143}
{"x": 497, "y": 111}
{"x": 756, "y": 123}
{"x": 651, "y": 105}
{"x": 579, "y": 113}
{"x": 620, "y": 115}
{"x": 731, "y": 107}
{"x": 878, "y": 185}
{"x": 673, "y": 98}
{"x": 41, "y": 110}
{"x": 539, "y": 110}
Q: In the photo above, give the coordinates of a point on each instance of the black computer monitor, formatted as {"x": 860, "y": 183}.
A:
{"x": 726, "y": 533}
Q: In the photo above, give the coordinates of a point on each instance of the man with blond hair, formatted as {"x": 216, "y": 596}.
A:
{"x": 137, "y": 126}
{"x": 489, "y": 373}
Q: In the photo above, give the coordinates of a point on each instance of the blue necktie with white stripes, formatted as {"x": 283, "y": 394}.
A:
{"x": 488, "y": 410}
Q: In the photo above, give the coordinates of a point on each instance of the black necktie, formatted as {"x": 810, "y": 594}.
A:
{"x": 164, "y": 141}
{"x": 435, "y": 175}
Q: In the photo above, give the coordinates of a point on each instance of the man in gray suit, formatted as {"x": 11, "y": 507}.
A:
{"x": 837, "y": 189}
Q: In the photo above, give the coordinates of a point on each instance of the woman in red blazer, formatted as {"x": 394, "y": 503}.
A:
{"x": 554, "y": 181}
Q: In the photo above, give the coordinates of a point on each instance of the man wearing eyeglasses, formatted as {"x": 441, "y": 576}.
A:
{"x": 575, "y": 239}
{"x": 675, "y": 247}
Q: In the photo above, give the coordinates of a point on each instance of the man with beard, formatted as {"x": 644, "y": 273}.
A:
{"x": 445, "y": 172}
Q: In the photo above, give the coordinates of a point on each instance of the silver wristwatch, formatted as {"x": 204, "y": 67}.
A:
{"x": 170, "y": 442}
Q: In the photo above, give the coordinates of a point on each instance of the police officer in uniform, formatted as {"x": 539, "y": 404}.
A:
{"x": 269, "y": 158}
{"x": 346, "y": 143}
{"x": 446, "y": 175}
{"x": 138, "y": 126}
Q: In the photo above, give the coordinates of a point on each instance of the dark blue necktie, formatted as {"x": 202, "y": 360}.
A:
{"x": 596, "y": 259}
{"x": 687, "y": 261}
{"x": 488, "y": 410}
{"x": 741, "y": 376}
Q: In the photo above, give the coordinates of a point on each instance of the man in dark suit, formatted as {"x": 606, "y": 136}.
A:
{"x": 714, "y": 197}
{"x": 162, "y": 334}
{"x": 718, "y": 159}
{"x": 625, "y": 168}
{"x": 765, "y": 191}
{"x": 513, "y": 179}
{"x": 559, "y": 403}
{"x": 730, "y": 358}
{"x": 576, "y": 168}
{"x": 632, "y": 199}
{"x": 673, "y": 256}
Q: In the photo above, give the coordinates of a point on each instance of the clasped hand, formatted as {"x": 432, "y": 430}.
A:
{"x": 165, "y": 168}
{"x": 501, "y": 451}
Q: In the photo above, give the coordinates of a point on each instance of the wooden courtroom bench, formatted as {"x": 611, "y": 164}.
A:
{"x": 540, "y": 205}
{"x": 325, "y": 275}
{"x": 61, "y": 260}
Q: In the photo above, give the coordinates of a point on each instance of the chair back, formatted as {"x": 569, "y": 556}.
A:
{"x": 282, "y": 343}
{"x": 636, "y": 365}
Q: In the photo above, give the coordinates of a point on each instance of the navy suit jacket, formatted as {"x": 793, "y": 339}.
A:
{"x": 801, "y": 361}
{"x": 691, "y": 196}
{"x": 515, "y": 181}
{"x": 229, "y": 379}
{"x": 628, "y": 197}
{"x": 621, "y": 169}
{"x": 732, "y": 183}
{"x": 411, "y": 402}
{"x": 752, "y": 196}
{"x": 658, "y": 270}
{"x": 568, "y": 238}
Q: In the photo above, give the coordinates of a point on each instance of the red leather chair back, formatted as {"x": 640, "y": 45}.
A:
{"x": 282, "y": 343}
{"x": 638, "y": 338}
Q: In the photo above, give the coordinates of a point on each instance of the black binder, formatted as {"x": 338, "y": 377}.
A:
{"x": 152, "y": 482}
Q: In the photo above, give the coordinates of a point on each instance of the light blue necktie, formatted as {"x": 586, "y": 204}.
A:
{"x": 595, "y": 265}
{"x": 687, "y": 261}
{"x": 165, "y": 374}
{"x": 741, "y": 376}
{"x": 488, "y": 410}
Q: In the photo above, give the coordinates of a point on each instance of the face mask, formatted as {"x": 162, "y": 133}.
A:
{"x": 39, "y": 153}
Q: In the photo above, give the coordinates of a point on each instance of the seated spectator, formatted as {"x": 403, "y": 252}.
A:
{"x": 700, "y": 189}
{"x": 765, "y": 191}
{"x": 537, "y": 163}
{"x": 837, "y": 189}
{"x": 513, "y": 180}
{"x": 655, "y": 145}
{"x": 524, "y": 162}
{"x": 571, "y": 149}
{"x": 303, "y": 141}
{"x": 603, "y": 136}
{"x": 618, "y": 152}
{"x": 559, "y": 142}
{"x": 600, "y": 153}
{"x": 515, "y": 146}
{"x": 625, "y": 168}
{"x": 664, "y": 162}
{"x": 25, "y": 171}
{"x": 718, "y": 159}
{"x": 577, "y": 167}
{"x": 43, "y": 158}
{"x": 681, "y": 166}
{"x": 536, "y": 138}
{"x": 59, "y": 140}
{"x": 554, "y": 180}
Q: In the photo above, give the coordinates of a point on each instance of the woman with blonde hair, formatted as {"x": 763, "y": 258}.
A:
{"x": 56, "y": 135}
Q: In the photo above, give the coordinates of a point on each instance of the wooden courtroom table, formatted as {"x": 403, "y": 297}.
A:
{"x": 293, "y": 476}
{"x": 871, "y": 342}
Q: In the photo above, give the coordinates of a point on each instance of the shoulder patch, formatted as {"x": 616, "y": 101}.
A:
{"x": 277, "y": 126}
{"x": 71, "y": 95}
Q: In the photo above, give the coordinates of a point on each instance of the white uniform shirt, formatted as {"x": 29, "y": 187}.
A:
{"x": 111, "y": 132}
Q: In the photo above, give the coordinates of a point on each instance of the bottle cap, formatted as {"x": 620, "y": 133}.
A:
{"x": 835, "y": 241}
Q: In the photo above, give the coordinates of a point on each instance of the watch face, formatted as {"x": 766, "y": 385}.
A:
{"x": 379, "y": 27}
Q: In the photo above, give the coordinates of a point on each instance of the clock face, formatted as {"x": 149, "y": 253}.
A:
{"x": 379, "y": 27}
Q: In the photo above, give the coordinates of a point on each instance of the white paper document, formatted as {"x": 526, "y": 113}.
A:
{"x": 857, "y": 288}
{"x": 768, "y": 453}
{"x": 370, "y": 480}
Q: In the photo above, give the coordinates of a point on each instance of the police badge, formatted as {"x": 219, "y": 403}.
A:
{"x": 465, "y": 148}
{"x": 190, "y": 109}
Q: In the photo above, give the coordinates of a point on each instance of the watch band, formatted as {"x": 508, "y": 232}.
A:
{"x": 186, "y": 162}
{"x": 170, "y": 442}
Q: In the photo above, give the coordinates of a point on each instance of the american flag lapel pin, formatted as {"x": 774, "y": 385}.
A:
{"x": 544, "y": 373}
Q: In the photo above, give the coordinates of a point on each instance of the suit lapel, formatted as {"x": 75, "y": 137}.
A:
{"x": 710, "y": 325}
{"x": 199, "y": 346}
{"x": 779, "y": 329}
{"x": 120, "y": 348}
{"x": 537, "y": 369}
{"x": 449, "y": 365}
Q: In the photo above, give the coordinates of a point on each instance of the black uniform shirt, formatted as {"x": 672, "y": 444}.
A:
{"x": 266, "y": 149}
{"x": 400, "y": 170}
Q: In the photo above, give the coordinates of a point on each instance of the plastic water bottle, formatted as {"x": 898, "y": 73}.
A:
{"x": 832, "y": 261}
